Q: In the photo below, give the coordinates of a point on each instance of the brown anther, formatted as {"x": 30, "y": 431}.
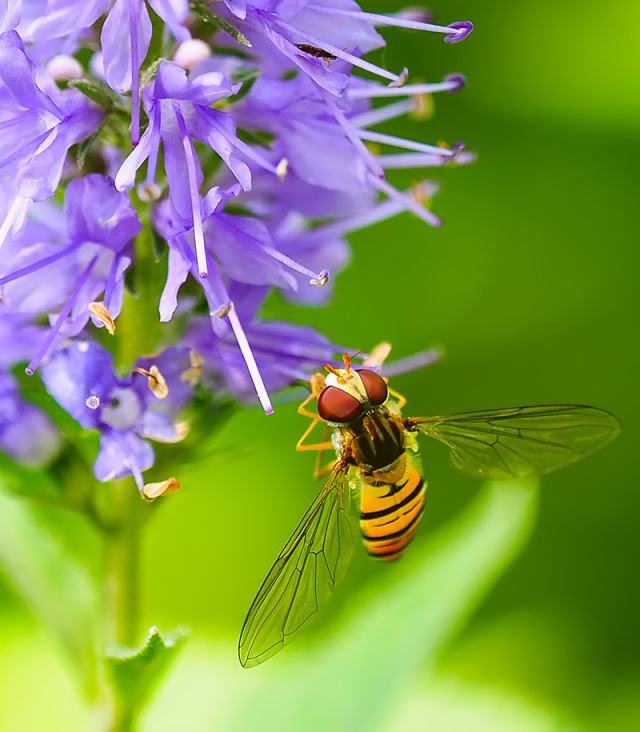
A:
{"x": 223, "y": 310}
{"x": 151, "y": 491}
{"x": 401, "y": 80}
{"x": 379, "y": 355}
{"x": 193, "y": 374}
{"x": 156, "y": 381}
{"x": 100, "y": 312}
{"x": 331, "y": 370}
{"x": 321, "y": 279}
{"x": 347, "y": 361}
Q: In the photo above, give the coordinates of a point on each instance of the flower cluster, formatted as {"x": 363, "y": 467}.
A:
{"x": 244, "y": 135}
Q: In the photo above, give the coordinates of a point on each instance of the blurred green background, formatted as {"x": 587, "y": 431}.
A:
{"x": 531, "y": 288}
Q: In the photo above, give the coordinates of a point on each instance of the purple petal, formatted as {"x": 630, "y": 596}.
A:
{"x": 178, "y": 271}
{"x": 82, "y": 370}
{"x": 39, "y": 178}
{"x": 116, "y": 43}
{"x": 26, "y": 434}
{"x": 122, "y": 454}
{"x": 97, "y": 212}
{"x": 237, "y": 7}
{"x": 126, "y": 176}
{"x": 333, "y": 81}
{"x": 157, "y": 426}
{"x": 10, "y": 12}
{"x": 64, "y": 16}
{"x": 173, "y": 12}
{"x": 18, "y": 74}
{"x": 217, "y": 129}
{"x": 239, "y": 245}
{"x": 176, "y": 167}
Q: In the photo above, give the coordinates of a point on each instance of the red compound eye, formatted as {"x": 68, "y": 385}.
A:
{"x": 336, "y": 405}
{"x": 374, "y": 385}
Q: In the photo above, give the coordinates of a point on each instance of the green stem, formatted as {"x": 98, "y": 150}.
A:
{"x": 121, "y": 592}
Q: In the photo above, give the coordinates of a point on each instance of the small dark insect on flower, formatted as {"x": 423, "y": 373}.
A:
{"x": 316, "y": 52}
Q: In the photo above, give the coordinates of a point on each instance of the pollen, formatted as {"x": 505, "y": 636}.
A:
{"x": 93, "y": 401}
{"x": 156, "y": 381}
{"x": 282, "y": 168}
{"x": 148, "y": 191}
{"x": 151, "y": 491}
{"x": 193, "y": 374}
{"x": 223, "y": 310}
{"x": 423, "y": 106}
{"x": 321, "y": 279}
{"x": 100, "y": 312}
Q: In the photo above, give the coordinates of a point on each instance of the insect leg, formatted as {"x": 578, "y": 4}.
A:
{"x": 396, "y": 395}
{"x": 317, "y": 385}
{"x": 319, "y": 471}
{"x": 301, "y": 447}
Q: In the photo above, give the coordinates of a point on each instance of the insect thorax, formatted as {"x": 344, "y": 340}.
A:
{"x": 375, "y": 442}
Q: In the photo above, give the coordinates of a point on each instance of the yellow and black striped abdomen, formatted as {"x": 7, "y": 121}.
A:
{"x": 390, "y": 513}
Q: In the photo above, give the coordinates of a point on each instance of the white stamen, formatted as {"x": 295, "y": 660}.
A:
{"x": 410, "y": 203}
{"x": 249, "y": 359}
{"x": 401, "y": 142}
{"x": 382, "y": 114}
{"x": 93, "y": 401}
{"x": 373, "y": 90}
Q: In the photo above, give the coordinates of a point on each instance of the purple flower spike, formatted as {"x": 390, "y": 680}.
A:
{"x": 66, "y": 264}
{"x": 463, "y": 28}
{"x": 179, "y": 110}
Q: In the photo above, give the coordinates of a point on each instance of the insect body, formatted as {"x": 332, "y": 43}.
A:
{"x": 376, "y": 455}
{"x": 374, "y": 440}
{"x": 316, "y": 52}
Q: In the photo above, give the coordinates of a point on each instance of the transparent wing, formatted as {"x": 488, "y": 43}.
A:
{"x": 514, "y": 443}
{"x": 304, "y": 576}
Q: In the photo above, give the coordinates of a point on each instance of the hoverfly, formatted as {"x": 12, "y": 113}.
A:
{"x": 376, "y": 456}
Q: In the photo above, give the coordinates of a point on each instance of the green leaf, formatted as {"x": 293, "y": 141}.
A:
{"x": 207, "y": 16}
{"x": 53, "y": 584}
{"x": 364, "y": 665}
{"x": 98, "y": 93}
{"x": 134, "y": 673}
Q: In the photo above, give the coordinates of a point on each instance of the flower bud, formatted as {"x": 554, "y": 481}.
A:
{"x": 191, "y": 52}
{"x": 65, "y": 68}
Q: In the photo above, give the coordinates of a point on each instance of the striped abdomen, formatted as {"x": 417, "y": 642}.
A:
{"x": 390, "y": 512}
